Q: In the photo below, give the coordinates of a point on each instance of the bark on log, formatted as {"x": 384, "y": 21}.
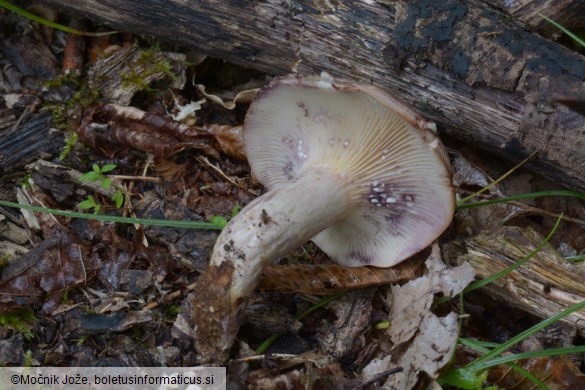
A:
{"x": 463, "y": 64}
{"x": 569, "y": 13}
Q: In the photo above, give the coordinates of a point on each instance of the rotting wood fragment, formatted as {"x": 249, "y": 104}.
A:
{"x": 28, "y": 142}
{"x": 544, "y": 286}
{"x": 132, "y": 69}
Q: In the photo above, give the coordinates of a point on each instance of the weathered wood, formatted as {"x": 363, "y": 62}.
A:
{"x": 463, "y": 64}
{"x": 568, "y": 13}
{"x": 545, "y": 285}
{"x": 28, "y": 142}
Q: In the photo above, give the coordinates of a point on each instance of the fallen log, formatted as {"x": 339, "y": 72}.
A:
{"x": 463, "y": 64}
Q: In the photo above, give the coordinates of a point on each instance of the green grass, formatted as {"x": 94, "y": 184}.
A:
{"x": 48, "y": 23}
{"x": 563, "y": 29}
{"x": 113, "y": 218}
{"x": 462, "y": 205}
{"x": 473, "y": 375}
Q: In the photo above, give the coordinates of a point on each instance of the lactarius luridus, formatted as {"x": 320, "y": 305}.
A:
{"x": 346, "y": 166}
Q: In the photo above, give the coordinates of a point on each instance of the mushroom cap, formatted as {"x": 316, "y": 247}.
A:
{"x": 395, "y": 167}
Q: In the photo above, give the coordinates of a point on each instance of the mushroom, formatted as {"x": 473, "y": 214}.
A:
{"x": 346, "y": 166}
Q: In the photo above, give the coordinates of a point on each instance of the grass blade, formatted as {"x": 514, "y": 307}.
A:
{"x": 484, "y": 347}
{"x": 482, "y": 362}
{"x": 48, "y": 23}
{"x": 527, "y": 355}
{"x": 113, "y": 218}
{"x": 462, "y": 206}
{"x": 563, "y": 29}
{"x": 516, "y": 265}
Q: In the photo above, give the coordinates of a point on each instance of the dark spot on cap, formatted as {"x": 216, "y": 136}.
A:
{"x": 265, "y": 217}
{"x": 360, "y": 257}
{"x": 394, "y": 221}
{"x": 289, "y": 170}
{"x": 303, "y": 107}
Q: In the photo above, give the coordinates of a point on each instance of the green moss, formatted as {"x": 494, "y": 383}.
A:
{"x": 87, "y": 309}
{"x": 70, "y": 79}
{"x": 84, "y": 97}
{"x": 138, "y": 334}
{"x": 303, "y": 255}
{"x": 70, "y": 142}
{"x": 4, "y": 261}
{"x": 63, "y": 113}
{"x": 171, "y": 313}
{"x": 59, "y": 118}
{"x": 28, "y": 359}
{"x": 19, "y": 320}
{"x": 149, "y": 63}
{"x": 65, "y": 300}
{"x": 81, "y": 340}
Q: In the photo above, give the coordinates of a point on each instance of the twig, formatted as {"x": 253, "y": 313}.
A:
{"x": 206, "y": 162}
{"x": 536, "y": 210}
{"x": 140, "y": 178}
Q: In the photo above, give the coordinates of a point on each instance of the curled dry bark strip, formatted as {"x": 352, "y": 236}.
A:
{"x": 110, "y": 128}
{"x": 329, "y": 279}
{"x": 324, "y": 279}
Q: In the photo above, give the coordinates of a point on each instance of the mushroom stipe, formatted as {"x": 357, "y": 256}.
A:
{"x": 346, "y": 166}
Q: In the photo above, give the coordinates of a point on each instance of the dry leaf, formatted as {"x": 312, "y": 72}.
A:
{"x": 227, "y": 98}
{"x": 422, "y": 341}
{"x": 168, "y": 170}
{"x": 55, "y": 265}
{"x": 230, "y": 139}
{"x": 555, "y": 372}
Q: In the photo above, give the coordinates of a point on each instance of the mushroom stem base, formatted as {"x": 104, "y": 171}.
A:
{"x": 269, "y": 227}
